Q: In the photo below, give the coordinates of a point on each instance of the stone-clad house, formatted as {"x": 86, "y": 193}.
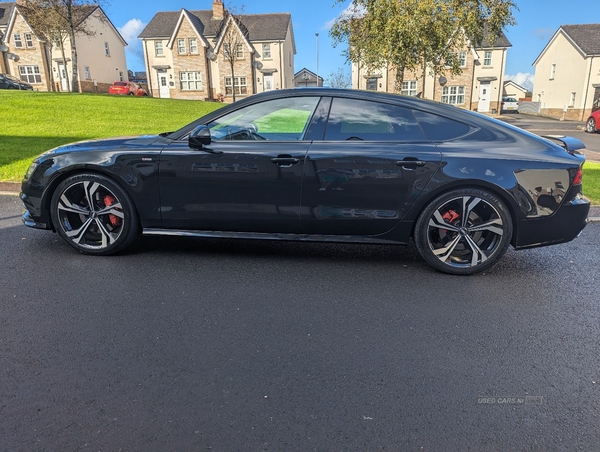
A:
{"x": 478, "y": 87}
{"x": 185, "y": 53}
{"x": 38, "y": 61}
{"x": 567, "y": 72}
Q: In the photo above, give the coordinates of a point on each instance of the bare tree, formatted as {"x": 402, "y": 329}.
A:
{"x": 233, "y": 40}
{"x": 339, "y": 79}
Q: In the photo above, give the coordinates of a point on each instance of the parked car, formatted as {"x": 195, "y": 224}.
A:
{"x": 591, "y": 125}
{"x": 509, "y": 104}
{"x": 8, "y": 81}
{"x": 127, "y": 89}
{"x": 320, "y": 165}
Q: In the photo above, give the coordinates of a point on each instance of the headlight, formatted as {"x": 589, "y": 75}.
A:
{"x": 31, "y": 169}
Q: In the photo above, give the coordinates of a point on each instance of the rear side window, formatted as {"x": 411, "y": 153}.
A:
{"x": 120, "y": 83}
{"x": 351, "y": 119}
{"x": 440, "y": 128}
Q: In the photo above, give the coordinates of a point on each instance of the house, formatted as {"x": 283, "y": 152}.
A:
{"x": 512, "y": 89}
{"x": 479, "y": 87}
{"x": 567, "y": 72}
{"x": 38, "y": 61}
{"x": 305, "y": 78}
{"x": 206, "y": 54}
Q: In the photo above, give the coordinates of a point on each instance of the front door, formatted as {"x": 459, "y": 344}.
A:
{"x": 484, "y": 97}
{"x": 248, "y": 179}
{"x": 62, "y": 73}
{"x": 268, "y": 81}
{"x": 163, "y": 85}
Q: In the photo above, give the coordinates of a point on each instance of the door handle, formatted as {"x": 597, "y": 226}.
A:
{"x": 409, "y": 163}
{"x": 285, "y": 161}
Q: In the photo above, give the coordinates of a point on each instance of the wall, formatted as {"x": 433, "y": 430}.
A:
{"x": 153, "y": 60}
{"x": 189, "y": 62}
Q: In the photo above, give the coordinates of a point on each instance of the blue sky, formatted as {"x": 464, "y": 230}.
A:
{"x": 537, "y": 21}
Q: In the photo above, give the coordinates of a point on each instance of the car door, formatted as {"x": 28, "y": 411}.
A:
{"x": 248, "y": 179}
{"x": 371, "y": 166}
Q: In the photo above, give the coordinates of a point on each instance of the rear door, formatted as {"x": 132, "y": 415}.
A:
{"x": 371, "y": 166}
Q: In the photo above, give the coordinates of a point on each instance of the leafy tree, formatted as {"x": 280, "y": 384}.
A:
{"x": 403, "y": 34}
{"x": 339, "y": 79}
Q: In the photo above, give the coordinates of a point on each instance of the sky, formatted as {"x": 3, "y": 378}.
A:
{"x": 537, "y": 21}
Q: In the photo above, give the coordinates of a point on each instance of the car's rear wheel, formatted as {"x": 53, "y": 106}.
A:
{"x": 590, "y": 126}
{"x": 131, "y": 93}
{"x": 93, "y": 214}
{"x": 464, "y": 231}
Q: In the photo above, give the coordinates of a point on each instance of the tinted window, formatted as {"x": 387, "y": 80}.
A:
{"x": 351, "y": 119}
{"x": 280, "y": 119}
{"x": 439, "y": 128}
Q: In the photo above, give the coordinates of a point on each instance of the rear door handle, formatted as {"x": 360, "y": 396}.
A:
{"x": 285, "y": 161}
{"x": 409, "y": 163}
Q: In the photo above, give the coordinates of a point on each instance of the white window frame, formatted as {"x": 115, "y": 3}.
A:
{"x": 86, "y": 71}
{"x": 552, "y": 71}
{"x": 190, "y": 81}
{"x": 266, "y": 51}
{"x": 240, "y": 86}
{"x": 181, "y": 49}
{"x": 572, "y": 99}
{"x": 462, "y": 59}
{"x": 30, "y": 74}
{"x": 193, "y": 42}
{"x": 106, "y": 49}
{"x": 29, "y": 40}
{"x": 453, "y": 95}
{"x": 18, "y": 41}
{"x": 239, "y": 51}
{"x": 159, "y": 50}
{"x": 487, "y": 58}
{"x": 409, "y": 88}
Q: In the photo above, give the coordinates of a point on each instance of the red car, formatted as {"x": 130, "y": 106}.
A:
{"x": 127, "y": 89}
{"x": 593, "y": 122}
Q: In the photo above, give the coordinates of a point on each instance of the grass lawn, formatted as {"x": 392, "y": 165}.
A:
{"x": 33, "y": 122}
{"x": 591, "y": 181}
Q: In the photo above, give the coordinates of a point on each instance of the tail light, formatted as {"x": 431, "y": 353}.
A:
{"x": 577, "y": 180}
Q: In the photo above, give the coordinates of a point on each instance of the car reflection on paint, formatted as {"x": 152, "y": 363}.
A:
{"x": 320, "y": 165}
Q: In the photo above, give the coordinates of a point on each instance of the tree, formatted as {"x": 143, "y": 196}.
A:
{"x": 403, "y": 34}
{"x": 339, "y": 79}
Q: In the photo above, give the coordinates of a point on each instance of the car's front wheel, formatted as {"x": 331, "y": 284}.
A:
{"x": 590, "y": 125}
{"x": 93, "y": 214}
{"x": 464, "y": 231}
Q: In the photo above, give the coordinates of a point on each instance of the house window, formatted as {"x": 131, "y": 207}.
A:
{"x": 239, "y": 51}
{"x": 28, "y": 40}
{"x": 239, "y": 86}
{"x": 181, "y": 46}
{"x": 454, "y": 95}
{"x": 17, "y": 39}
{"x": 106, "y": 49}
{"x": 30, "y": 74}
{"x": 462, "y": 59}
{"x": 372, "y": 84}
{"x": 487, "y": 59}
{"x": 190, "y": 81}
{"x": 552, "y": 71}
{"x": 121, "y": 75}
{"x": 193, "y": 46}
{"x": 409, "y": 88}
{"x": 158, "y": 48}
{"x": 86, "y": 70}
{"x": 572, "y": 100}
{"x": 266, "y": 51}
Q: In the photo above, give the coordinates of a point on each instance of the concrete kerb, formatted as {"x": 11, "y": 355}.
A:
{"x": 13, "y": 188}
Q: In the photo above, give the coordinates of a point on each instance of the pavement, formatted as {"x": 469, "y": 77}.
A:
{"x": 13, "y": 188}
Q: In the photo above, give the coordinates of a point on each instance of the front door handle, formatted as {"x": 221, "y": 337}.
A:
{"x": 285, "y": 161}
{"x": 411, "y": 163}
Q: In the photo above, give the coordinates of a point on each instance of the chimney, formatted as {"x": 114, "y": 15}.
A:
{"x": 218, "y": 10}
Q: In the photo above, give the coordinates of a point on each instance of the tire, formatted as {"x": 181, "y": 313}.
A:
{"x": 459, "y": 244}
{"x": 94, "y": 215}
{"x": 590, "y": 125}
{"x": 131, "y": 93}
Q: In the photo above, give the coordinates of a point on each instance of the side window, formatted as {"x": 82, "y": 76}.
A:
{"x": 439, "y": 128}
{"x": 280, "y": 119}
{"x": 351, "y": 119}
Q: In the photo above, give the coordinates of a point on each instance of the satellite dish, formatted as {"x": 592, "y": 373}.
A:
{"x": 443, "y": 80}
{"x": 210, "y": 55}
{"x": 258, "y": 65}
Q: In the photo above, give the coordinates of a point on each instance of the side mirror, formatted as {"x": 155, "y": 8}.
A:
{"x": 199, "y": 137}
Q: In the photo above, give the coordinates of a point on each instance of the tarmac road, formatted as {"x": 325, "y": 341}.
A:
{"x": 244, "y": 345}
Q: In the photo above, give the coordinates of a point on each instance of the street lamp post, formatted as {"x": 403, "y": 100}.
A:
{"x": 317, "y": 37}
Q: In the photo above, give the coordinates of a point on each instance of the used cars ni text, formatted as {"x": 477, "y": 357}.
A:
{"x": 320, "y": 165}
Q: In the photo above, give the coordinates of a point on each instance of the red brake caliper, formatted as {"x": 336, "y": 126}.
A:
{"x": 109, "y": 201}
{"x": 450, "y": 217}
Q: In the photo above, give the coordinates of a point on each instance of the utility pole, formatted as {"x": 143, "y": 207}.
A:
{"x": 317, "y": 35}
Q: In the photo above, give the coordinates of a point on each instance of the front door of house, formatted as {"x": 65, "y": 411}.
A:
{"x": 268, "y": 80}
{"x": 62, "y": 73}
{"x": 163, "y": 84}
{"x": 484, "y": 97}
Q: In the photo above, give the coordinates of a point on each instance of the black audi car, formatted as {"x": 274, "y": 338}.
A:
{"x": 11, "y": 82}
{"x": 320, "y": 165}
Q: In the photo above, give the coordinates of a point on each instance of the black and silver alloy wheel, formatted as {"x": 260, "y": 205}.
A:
{"x": 590, "y": 126}
{"x": 93, "y": 214}
{"x": 463, "y": 232}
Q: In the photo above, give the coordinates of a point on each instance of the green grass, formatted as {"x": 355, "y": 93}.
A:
{"x": 33, "y": 122}
{"x": 591, "y": 181}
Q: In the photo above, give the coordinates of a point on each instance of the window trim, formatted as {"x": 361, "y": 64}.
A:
{"x": 552, "y": 71}
{"x": 35, "y": 74}
{"x": 409, "y": 89}
{"x": 18, "y": 41}
{"x": 195, "y": 45}
{"x": 487, "y": 58}
{"x": 158, "y": 45}
{"x": 229, "y": 88}
{"x": 106, "y": 49}
{"x": 459, "y": 93}
{"x": 181, "y": 41}
{"x": 266, "y": 52}
{"x": 29, "y": 41}
{"x": 184, "y": 79}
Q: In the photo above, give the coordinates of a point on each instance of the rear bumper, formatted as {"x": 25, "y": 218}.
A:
{"x": 561, "y": 227}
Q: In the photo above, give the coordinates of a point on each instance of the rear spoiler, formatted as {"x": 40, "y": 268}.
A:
{"x": 571, "y": 145}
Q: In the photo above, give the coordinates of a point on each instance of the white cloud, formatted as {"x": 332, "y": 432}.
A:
{"x": 525, "y": 79}
{"x": 133, "y": 51}
{"x": 351, "y": 11}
